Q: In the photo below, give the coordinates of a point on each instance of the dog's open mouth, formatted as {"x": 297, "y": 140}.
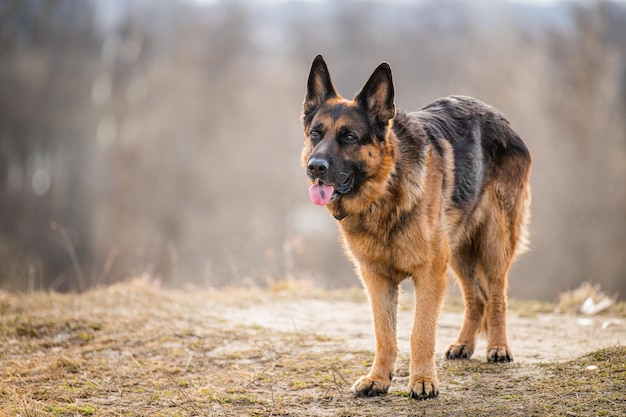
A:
{"x": 346, "y": 186}
{"x": 321, "y": 193}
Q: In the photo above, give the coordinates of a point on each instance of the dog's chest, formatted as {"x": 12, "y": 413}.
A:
{"x": 386, "y": 250}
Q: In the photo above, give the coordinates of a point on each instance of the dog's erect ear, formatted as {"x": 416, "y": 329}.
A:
{"x": 377, "y": 96}
{"x": 319, "y": 87}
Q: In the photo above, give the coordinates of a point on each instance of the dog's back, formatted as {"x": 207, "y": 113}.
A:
{"x": 489, "y": 162}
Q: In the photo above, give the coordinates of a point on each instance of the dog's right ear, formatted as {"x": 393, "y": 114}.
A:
{"x": 319, "y": 86}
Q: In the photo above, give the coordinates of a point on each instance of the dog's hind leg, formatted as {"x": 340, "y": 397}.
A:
{"x": 503, "y": 237}
{"x": 465, "y": 266}
{"x": 496, "y": 268}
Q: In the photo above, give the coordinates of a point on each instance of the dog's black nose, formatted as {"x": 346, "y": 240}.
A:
{"x": 317, "y": 167}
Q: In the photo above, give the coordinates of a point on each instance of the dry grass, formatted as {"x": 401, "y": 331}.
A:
{"x": 135, "y": 349}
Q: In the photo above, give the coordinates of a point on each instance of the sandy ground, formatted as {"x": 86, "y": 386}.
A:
{"x": 537, "y": 338}
{"x": 138, "y": 349}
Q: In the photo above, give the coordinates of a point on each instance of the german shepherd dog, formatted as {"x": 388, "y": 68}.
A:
{"x": 413, "y": 193}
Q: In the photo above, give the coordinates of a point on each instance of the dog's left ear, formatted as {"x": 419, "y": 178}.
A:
{"x": 377, "y": 96}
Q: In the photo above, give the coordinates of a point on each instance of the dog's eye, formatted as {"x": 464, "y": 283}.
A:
{"x": 350, "y": 137}
{"x": 314, "y": 134}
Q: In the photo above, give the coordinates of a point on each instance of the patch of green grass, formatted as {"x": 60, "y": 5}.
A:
{"x": 235, "y": 398}
{"x": 594, "y": 384}
{"x": 70, "y": 409}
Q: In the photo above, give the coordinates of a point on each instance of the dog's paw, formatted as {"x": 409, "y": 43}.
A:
{"x": 499, "y": 354}
{"x": 368, "y": 386}
{"x": 423, "y": 387}
{"x": 459, "y": 351}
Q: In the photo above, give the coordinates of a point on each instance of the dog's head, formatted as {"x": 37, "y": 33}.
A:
{"x": 345, "y": 139}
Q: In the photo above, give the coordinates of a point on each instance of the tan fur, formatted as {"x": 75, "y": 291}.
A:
{"x": 396, "y": 227}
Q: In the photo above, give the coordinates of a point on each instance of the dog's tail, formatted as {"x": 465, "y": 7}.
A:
{"x": 523, "y": 241}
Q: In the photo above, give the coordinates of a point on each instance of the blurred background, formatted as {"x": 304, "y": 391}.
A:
{"x": 163, "y": 137}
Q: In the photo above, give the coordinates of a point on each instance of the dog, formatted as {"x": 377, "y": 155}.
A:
{"x": 416, "y": 194}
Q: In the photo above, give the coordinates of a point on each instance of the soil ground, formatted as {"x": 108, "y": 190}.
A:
{"x": 136, "y": 349}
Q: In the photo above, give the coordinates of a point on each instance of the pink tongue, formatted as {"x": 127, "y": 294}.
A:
{"x": 321, "y": 194}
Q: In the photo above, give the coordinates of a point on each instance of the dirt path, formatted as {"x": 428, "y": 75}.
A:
{"x": 538, "y": 338}
{"x": 136, "y": 349}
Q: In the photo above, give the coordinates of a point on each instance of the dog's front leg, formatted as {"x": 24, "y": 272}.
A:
{"x": 383, "y": 297}
{"x": 429, "y": 286}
